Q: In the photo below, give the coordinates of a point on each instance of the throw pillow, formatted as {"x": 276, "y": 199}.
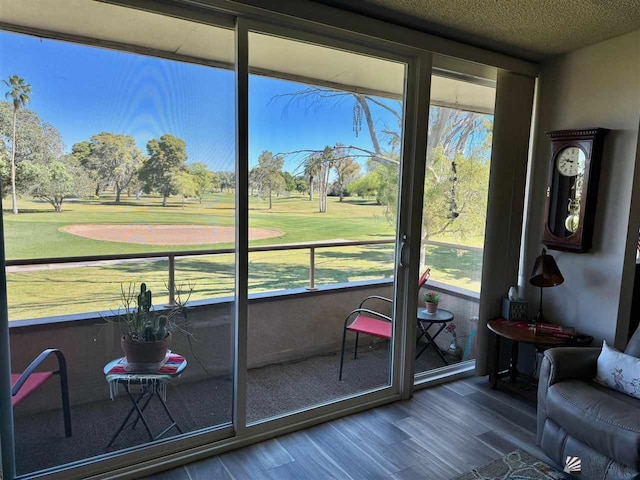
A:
{"x": 619, "y": 371}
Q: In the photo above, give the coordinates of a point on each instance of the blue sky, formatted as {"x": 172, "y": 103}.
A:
{"x": 83, "y": 91}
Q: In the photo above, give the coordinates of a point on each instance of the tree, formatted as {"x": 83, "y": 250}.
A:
{"x": 289, "y": 182}
{"x": 319, "y": 165}
{"x": 347, "y": 170}
{"x": 187, "y": 185}
{"x": 19, "y": 94}
{"x": 300, "y": 183}
{"x": 36, "y": 143}
{"x": 59, "y": 180}
{"x": 454, "y": 132}
{"x": 81, "y": 152}
{"x": 366, "y": 186}
{"x": 205, "y": 180}
{"x": 113, "y": 160}
{"x": 227, "y": 180}
{"x": 159, "y": 172}
{"x": 311, "y": 171}
{"x": 268, "y": 175}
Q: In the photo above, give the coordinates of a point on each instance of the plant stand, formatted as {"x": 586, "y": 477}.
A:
{"x": 151, "y": 384}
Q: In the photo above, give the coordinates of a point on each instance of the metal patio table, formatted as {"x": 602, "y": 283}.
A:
{"x": 425, "y": 321}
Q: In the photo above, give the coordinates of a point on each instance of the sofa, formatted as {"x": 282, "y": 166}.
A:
{"x": 580, "y": 418}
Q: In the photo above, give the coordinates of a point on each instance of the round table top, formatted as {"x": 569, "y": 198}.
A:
{"x": 172, "y": 367}
{"x": 514, "y": 331}
{"x": 441, "y": 316}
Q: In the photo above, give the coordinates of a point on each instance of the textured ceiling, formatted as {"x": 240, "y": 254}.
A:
{"x": 530, "y": 29}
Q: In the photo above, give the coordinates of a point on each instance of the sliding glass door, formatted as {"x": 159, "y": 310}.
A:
{"x": 267, "y": 190}
{"x": 456, "y": 186}
{"x": 326, "y": 124}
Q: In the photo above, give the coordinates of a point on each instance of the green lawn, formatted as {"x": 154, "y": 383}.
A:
{"x": 36, "y": 233}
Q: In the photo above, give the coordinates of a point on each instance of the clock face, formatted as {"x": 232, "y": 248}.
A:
{"x": 571, "y": 162}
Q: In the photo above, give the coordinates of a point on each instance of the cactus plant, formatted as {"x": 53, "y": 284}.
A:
{"x": 140, "y": 321}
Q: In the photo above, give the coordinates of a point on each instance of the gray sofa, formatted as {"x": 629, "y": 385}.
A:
{"x": 578, "y": 417}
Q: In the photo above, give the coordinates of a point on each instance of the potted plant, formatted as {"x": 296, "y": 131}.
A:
{"x": 454, "y": 349}
{"x": 432, "y": 299}
{"x": 146, "y": 333}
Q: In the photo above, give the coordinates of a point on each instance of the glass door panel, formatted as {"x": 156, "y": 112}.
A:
{"x": 126, "y": 162}
{"x": 325, "y": 139}
{"x": 453, "y": 222}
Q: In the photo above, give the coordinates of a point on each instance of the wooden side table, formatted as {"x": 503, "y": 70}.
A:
{"x": 520, "y": 332}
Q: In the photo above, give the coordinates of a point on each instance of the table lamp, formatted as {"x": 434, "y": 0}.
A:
{"x": 545, "y": 274}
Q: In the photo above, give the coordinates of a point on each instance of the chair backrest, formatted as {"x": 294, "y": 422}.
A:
{"x": 633, "y": 347}
{"x": 423, "y": 278}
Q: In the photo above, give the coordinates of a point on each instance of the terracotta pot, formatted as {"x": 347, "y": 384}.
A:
{"x": 432, "y": 307}
{"x": 145, "y": 352}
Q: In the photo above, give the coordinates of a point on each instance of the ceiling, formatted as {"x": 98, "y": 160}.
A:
{"x": 144, "y": 32}
{"x": 529, "y": 29}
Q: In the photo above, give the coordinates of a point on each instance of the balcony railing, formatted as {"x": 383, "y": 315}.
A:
{"x": 312, "y": 247}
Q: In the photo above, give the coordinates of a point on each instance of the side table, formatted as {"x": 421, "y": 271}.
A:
{"x": 521, "y": 332}
{"x": 425, "y": 321}
{"x": 152, "y": 384}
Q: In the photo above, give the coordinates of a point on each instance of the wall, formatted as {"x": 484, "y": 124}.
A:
{"x": 598, "y": 86}
{"x": 280, "y": 329}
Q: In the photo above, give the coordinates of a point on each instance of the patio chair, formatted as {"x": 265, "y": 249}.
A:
{"x": 27, "y": 382}
{"x": 370, "y": 322}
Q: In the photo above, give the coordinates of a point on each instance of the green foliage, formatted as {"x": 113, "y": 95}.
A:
{"x": 318, "y": 166}
{"x": 289, "y": 182}
{"x": 57, "y": 181}
{"x": 471, "y": 196}
{"x": 186, "y": 185}
{"x": 159, "y": 172}
{"x": 347, "y": 170}
{"x": 18, "y": 91}
{"x": 139, "y": 321}
{"x": 227, "y": 180}
{"x": 19, "y": 94}
{"x": 268, "y": 177}
{"x": 204, "y": 179}
{"x": 112, "y": 160}
{"x": 37, "y": 142}
{"x": 432, "y": 297}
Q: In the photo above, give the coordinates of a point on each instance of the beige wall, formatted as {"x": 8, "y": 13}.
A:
{"x": 598, "y": 86}
{"x": 281, "y": 329}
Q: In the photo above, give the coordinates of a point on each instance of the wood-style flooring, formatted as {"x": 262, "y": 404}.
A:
{"x": 442, "y": 432}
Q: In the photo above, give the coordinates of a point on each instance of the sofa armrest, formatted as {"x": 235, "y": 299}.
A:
{"x": 570, "y": 362}
{"x": 560, "y": 364}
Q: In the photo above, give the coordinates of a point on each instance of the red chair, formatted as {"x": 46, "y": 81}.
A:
{"x": 24, "y": 384}
{"x": 371, "y": 322}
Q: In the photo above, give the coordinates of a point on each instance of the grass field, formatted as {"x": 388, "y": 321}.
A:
{"x": 36, "y": 233}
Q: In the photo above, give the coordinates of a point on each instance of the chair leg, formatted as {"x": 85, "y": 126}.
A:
{"x": 355, "y": 351}
{"x": 64, "y": 390}
{"x": 344, "y": 338}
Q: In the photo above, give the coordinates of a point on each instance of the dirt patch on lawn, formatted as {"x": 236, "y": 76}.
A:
{"x": 165, "y": 234}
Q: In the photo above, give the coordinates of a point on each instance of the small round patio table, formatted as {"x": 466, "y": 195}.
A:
{"x": 425, "y": 321}
{"x": 150, "y": 381}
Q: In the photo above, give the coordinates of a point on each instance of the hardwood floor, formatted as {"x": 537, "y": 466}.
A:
{"x": 442, "y": 432}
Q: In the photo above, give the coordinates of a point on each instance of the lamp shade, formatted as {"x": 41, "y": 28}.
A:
{"x": 546, "y": 272}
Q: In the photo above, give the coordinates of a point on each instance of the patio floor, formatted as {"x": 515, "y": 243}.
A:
{"x": 272, "y": 390}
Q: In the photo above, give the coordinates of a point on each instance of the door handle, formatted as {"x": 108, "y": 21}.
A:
{"x": 403, "y": 260}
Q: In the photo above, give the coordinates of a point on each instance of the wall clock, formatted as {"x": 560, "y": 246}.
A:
{"x": 572, "y": 188}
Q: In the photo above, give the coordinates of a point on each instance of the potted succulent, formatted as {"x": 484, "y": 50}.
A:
{"x": 432, "y": 299}
{"x": 146, "y": 332}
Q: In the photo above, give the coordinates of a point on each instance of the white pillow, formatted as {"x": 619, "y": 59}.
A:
{"x": 619, "y": 371}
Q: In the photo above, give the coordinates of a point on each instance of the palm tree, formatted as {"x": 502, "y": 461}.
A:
{"x": 311, "y": 171}
{"x": 19, "y": 93}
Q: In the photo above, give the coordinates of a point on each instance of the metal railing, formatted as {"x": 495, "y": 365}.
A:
{"x": 88, "y": 260}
